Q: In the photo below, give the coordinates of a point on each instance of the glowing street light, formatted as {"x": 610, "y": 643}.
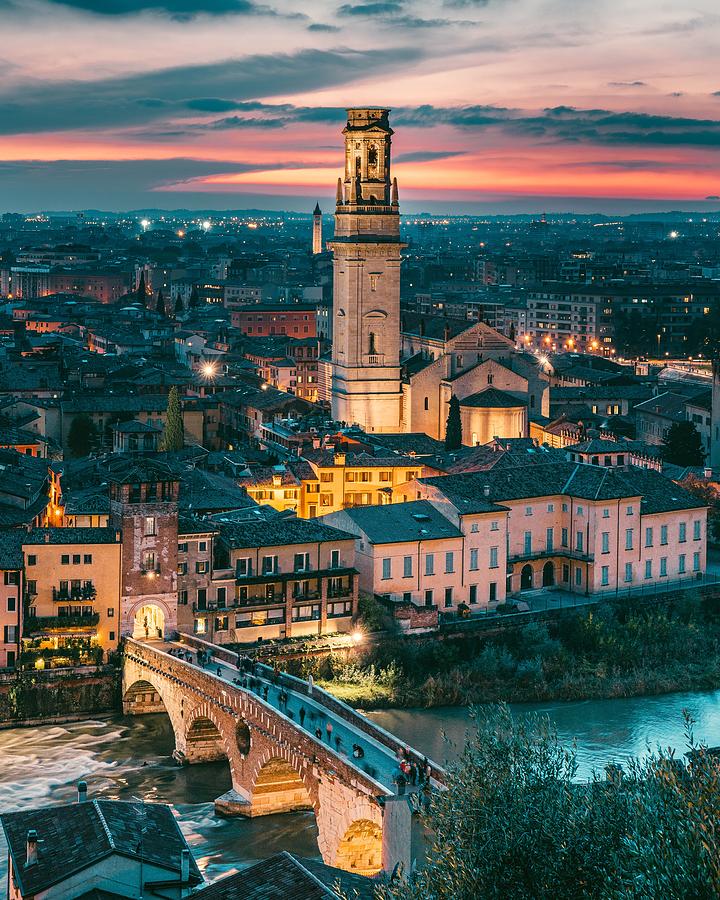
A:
{"x": 144, "y": 224}
{"x": 206, "y": 226}
{"x": 209, "y": 370}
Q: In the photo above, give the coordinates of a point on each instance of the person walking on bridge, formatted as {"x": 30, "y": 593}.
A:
{"x": 302, "y": 716}
{"x": 329, "y": 730}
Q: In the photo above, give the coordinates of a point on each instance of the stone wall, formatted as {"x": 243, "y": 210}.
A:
{"x": 34, "y": 697}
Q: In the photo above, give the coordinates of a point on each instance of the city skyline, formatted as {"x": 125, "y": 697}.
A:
{"x": 233, "y": 104}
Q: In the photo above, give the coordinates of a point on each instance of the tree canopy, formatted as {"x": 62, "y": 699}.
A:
{"x": 453, "y": 426}
{"x": 173, "y": 436}
{"x": 82, "y": 436}
{"x": 515, "y": 824}
{"x": 683, "y": 445}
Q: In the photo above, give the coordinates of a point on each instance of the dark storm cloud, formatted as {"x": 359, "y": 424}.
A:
{"x": 393, "y": 12}
{"x": 569, "y": 125}
{"x": 382, "y": 8}
{"x": 428, "y": 155}
{"x": 238, "y": 122}
{"x": 561, "y": 124}
{"x": 102, "y": 184}
{"x": 180, "y": 9}
{"x": 144, "y": 98}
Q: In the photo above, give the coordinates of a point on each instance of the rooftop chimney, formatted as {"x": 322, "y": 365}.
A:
{"x": 82, "y": 791}
{"x": 184, "y": 866}
{"x": 486, "y": 490}
{"x": 31, "y": 856}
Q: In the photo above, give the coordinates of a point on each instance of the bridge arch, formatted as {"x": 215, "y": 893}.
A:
{"x": 278, "y": 784}
{"x": 350, "y": 832}
{"x": 361, "y": 848}
{"x": 142, "y": 694}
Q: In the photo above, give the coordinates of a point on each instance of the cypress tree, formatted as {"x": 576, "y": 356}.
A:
{"x": 142, "y": 289}
{"x": 453, "y": 427}
{"x": 194, "y": 298}
{"x": 173, "y": 436}
{"x": 160, "y": 306}
{"x": 179, "y": 308}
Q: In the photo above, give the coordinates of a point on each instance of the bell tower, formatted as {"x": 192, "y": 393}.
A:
{"x": 366, "y": 262}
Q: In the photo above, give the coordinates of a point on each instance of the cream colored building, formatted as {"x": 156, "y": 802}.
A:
{"x": 366, "y": 263}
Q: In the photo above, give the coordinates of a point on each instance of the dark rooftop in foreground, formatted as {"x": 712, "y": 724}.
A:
{"x": 76, "y": 836}
{"x": 288, "y": 877}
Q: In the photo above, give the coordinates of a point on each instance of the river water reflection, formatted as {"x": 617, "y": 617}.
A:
{"x": 128, "y": 758}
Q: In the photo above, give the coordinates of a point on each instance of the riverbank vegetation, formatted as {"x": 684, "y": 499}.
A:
{"x": 512, "y": 824}
{"x": 614, "y": 650}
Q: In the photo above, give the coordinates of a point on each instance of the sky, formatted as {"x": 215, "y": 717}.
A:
{"x": 497, "y": 105}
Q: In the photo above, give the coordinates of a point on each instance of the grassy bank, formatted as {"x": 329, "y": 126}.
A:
{"x": 617, "y": 650}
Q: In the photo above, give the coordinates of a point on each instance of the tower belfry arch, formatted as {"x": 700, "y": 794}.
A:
{"x": 367, "y": 249}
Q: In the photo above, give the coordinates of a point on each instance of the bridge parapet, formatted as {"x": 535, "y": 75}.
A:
{"x": 330, "y": 702}
{"x": 277, "y": 765}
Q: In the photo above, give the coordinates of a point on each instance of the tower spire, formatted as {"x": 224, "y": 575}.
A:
{"x": 317, "y": 242}
{"x": 339, "y": 195}
{"x": 395, "y": 201}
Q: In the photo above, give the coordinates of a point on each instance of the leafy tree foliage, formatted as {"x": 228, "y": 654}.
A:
{"x": 453, "y": 426}
{"x": 160, "y": 305}
{"x": 194, "y": 301}
{"x": 173, "y": 436}
{"x": 83, "y": 435}
{"x": 683, "y": 445}
{"x": 514, "y": 823}
{"x": 710, "y": 497}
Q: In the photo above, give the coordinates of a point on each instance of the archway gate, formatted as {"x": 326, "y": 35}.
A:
{"x": 275, "y": 766}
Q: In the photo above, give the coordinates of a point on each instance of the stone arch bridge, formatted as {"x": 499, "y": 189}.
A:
{"x": 289, "y": 746}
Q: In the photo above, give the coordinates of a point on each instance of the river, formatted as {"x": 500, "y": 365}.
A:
{"x": 128, "y": 758}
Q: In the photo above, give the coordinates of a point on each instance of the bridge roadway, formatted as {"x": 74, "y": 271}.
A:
{"x": 289, "y": 745}
{"x": 378, "y": 761}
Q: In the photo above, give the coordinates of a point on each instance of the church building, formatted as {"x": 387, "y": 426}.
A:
{"x": 394, "y": 374}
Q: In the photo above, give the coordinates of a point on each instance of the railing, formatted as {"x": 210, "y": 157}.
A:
{"x": 332, "y": 704}
{"x": 565, "y": 552}
{"x": 33, "y": 624}
{"x": 86, "y": 592}
{"x": 556, "y": 600}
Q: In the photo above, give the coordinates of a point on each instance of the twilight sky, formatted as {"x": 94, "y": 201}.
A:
{"x": 498, "y": 105}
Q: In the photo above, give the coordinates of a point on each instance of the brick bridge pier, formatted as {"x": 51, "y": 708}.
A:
{"x": 276, "y": 764}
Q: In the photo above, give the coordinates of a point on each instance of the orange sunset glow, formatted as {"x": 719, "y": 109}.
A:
{"x": 232, "y": 103}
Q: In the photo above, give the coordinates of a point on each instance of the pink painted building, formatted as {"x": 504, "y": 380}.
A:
{"x": 581, "y": 528}
{"x": 424, "y": 554}
{"x": 11, "y": 582}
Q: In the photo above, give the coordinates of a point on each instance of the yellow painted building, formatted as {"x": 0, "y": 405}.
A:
{"x": 72, "y": 590}
{"x": 326, "y": 481}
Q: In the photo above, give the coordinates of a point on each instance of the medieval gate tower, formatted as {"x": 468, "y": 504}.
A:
{"x": 366, "y": 307}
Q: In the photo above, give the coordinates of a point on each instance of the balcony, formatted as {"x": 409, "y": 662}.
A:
{"x": 564, "y": 552}
{"x": 278, "y": 576}
{"x": 37, "y": 624}
{"x": 86, "y": 592}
